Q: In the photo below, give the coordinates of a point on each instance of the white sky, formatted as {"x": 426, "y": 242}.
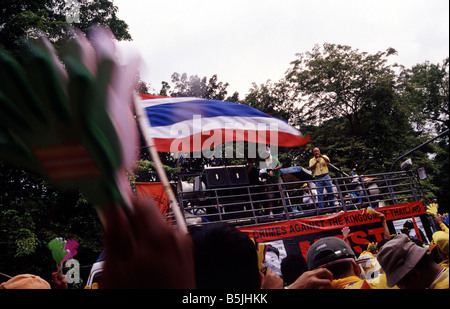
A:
{"x": 246, "y": 41}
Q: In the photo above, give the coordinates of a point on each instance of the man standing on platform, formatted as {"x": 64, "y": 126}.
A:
{"x": 319, "y": 165}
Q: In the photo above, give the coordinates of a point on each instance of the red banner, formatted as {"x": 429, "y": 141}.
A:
{"x": 301, "y": 233}
{"x": 154, "y": 190}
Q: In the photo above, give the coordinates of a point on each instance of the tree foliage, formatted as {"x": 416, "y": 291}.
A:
{"x": 31, "y": 19}
{"x": 34, "y": 211}
{"x": 336, "y": 81}
{"x": 273, "y": 99}
{"x": 424, "y": 90}
{"x": 194, "y": 86}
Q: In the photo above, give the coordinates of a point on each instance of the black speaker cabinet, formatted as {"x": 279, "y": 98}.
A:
{"x": 237, "y": 175}
{"x": 216, "y": 177}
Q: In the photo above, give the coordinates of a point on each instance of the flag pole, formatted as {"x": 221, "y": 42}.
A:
{"x": 144, "y": 122}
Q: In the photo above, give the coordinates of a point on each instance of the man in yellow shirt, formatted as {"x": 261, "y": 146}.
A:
{"x": 410, "y": 267}
{"x": 441, "y": 240}
{"x": 336, "y": 256}
{"x": 319, "y": 166}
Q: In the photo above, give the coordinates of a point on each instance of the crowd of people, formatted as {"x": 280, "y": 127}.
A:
{"x": 143, "y": 252}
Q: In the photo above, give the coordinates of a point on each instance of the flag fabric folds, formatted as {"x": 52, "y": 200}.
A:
{"x": 193, "y": 124}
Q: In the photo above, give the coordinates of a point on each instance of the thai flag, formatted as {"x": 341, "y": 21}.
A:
{"x": 193, "y": 124}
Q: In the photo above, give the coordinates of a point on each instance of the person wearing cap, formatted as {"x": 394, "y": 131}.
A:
{"x": 441, "y": 240}
{"x": 273, "y": 167}
{"x": 310, "y": 194}
{"x": 411, "y": 267}
{"x": 319, "y": 165}
{"x": 25, "y": 281}
{"x": 335, "y": 255}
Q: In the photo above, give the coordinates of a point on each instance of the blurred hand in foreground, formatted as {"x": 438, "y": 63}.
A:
{"x": 319, "y": 278}
{"x": 142, "y": 251}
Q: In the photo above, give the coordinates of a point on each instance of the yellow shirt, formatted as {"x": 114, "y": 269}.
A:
{"x": 441, "y": 282}
{"x": 380, "y": 283}
{"x": 352, "y": 282}
{"x": 443, "y": 227}
{"x": 321, "y": 167}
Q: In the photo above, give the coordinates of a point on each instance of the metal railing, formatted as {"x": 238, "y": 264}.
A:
{"x": 251, "y": 205}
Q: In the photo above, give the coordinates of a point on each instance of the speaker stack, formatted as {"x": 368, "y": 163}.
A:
{"x": 237, "y": 175}
{"x": 223, "y": 177}
{"x": 229, "y": 178}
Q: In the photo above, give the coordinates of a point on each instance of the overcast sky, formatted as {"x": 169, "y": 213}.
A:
{"x": 246, "y": 41}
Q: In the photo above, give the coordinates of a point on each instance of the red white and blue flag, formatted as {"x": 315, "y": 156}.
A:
{"x": 193, "y": 124}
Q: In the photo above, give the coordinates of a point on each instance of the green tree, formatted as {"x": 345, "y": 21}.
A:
{"x": 102, "y": 12}
{"x": 233, "y": 98}
{"x": 336, "y": 80}
{"x": 215, "y": 90}
{"x": 386, "y": 134}
{"x": 272, "y": 99}
{"x": 31, "y": 19}
{"x": 164, "y": 88}
{"x": 32, "y": 210}
{"x": 141, "y": 86}
{"x": 441, "y": 180}
{"x": 194, "y": 86}
{"x": 424, "y": 95}
{"x": 425, "y": 91}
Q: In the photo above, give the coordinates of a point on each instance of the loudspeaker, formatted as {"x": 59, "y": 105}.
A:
{"x": 216, "y": 177}
{"x": 406, "y": 165}
{"x": 237, "y": 175}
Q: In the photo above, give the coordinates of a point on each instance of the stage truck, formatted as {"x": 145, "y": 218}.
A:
{"x": 226, "y": 194}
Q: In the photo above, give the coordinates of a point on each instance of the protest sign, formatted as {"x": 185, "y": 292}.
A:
{"x": 299, "y": 234}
